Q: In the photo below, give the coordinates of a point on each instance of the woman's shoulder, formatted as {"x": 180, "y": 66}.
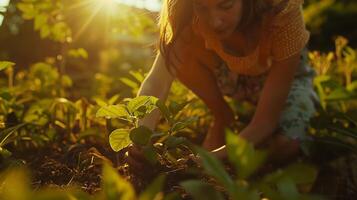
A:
{"x": 285, "y": 11}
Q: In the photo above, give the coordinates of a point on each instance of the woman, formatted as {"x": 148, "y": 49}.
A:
{"x": 248, "y": 49}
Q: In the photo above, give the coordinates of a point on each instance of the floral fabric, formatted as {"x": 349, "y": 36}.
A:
{"x": 300, "y": 105}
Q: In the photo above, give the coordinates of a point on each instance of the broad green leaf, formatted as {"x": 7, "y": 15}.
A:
{"x": 150, "y": 154}
{"x": 269, "y": 190}
{"x": 153, "y": 191}
{"x": 164, "y": 110}
{"x": 28, "y": 10}
{"x": 243, "y": 155}
{"x": 215, "y": 168}
{"x": 113, "y": 111}
{"x": 4, "y": 153}
{"x": 61, "y": 194}
{"x": 175, "y": 108}
{"x": 321, "y": 78}
{"x": 114, "y": 187}
{"x": 352, "y": 87}
{"x": 45, "y": 31}
{"x": 113, "y": 99}
{"x": 38, "y": 113}
{"x": 60, "y": 31}
{"x": 287, "y": 189}
{"x": 5, "y": 65}
{"x": 40, "y": 20}
{"x": 142, "y": 101}
{"x": 129, "y": 83}
{"x": 172, "y": 196}
{"x": 242, "y": 192}
{"x": 281, "y": 183}
{"x": 100, "y": 102}
{"x": 301, "y": 173}
{"x": 141, "y": 135}
{"x": 66, "y": 81}
{"x": 173, "y": 142}
{"x": 82, "y": 53}
{"x": 178, "y": 126}
{"x": 119, "y": 139}
{"x": 6, "y": 95}
{"x": 340, "y": 94}
{"x": 200, "y": 190}
{"x": 78, "y": 53}
{"x": 15, "y": 185}
{"x": 137, "y": 75}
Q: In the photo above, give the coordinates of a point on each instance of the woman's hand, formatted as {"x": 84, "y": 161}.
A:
{"x": 220, "y": 153}
{"x": 215, "y": 137}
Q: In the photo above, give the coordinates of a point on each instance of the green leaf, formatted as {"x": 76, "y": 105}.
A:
{"x": 215, "y": 168}
{"x": 129, "y": 83}
{"x": 7, "y": 133}
{"x": 4, "y": 153}
{"x": 287, "y": 189}
{"x": 100, "y": 102}
{"x": 282, "y": 183}
{"x": 175, "y": 108}
{"x": 340, "y": 94}
{"x": 45, "y": 31}
{"x": 5, "y": 95}
{"x": 28, "y": 10}
{"x": 66, "y": 81}
{"x": 200, "y": 190}
{"x": 113, "y": 111}
{"x": 137, "y": 75}
{"x": 137, "y": 102}
{"x": 153, "y": 191}
{"x": 141, "y": 135}
{"x": 243, "y": 155}
{"x": 5, "y": 65}
{"x": 178, "y": 126}
{"x": 113, "y": 99}
{"x": 172, "y": 196}
{"x": 15, "y": 185}
{"x": 60, "y": 31}
{"x": 115, "y": 187}
{"x": 78, "y": 53}
{"x": 322, "y": 78}
{"x": 269, "y": 191}
{"x": 352, "y": 87}
{"x": 150, "y": 154}
{"x": 40, "y": 20}
{"x": 119, "y": 139}
{"x": 301, "y": 173}
{"x": 243, "y": 192}
{"x": 164, "y": 110}
{"x": 173, "y": 142}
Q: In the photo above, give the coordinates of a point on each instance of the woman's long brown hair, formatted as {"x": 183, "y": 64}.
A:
{"x": 177, "y": 14}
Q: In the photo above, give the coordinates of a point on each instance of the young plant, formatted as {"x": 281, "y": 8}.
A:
{"x": 281, "y": 184}
{"x": 151, "y": 142}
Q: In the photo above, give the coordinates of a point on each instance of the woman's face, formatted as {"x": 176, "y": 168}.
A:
{"x": 220, "y": 16}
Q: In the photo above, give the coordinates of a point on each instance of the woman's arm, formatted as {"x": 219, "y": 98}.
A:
{"x": 157, "y": 83}
{"x": 272, "y": 101}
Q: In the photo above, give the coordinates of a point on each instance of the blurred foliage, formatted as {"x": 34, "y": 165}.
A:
{"x": 327, "y": 19}
{"x": 79, "y": 63}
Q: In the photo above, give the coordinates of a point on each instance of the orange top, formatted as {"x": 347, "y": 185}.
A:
{"x": 284, "y": 34}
